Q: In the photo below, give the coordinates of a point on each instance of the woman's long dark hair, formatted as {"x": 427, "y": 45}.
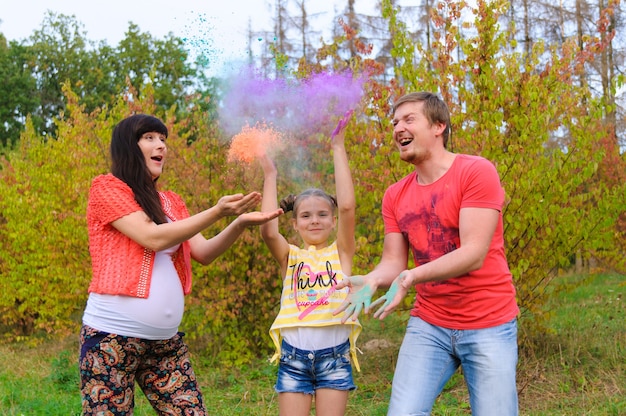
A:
{"x": 128, "y": 163}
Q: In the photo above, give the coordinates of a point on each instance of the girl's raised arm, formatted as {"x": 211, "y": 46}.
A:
{"x": 346, "y": 202}
{"x": 278, "y": 245}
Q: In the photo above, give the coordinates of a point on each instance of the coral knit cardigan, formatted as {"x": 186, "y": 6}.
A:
{"x": 120, "y": 265}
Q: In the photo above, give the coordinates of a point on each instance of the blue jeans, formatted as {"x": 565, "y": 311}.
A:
{"x": 303, "y": 371}
{"x": 430, "y": 355}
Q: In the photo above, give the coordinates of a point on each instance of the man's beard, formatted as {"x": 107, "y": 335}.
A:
{"x": 416, "y": 158}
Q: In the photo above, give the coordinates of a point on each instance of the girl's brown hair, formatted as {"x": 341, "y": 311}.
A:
{"x": 291, "y": 202}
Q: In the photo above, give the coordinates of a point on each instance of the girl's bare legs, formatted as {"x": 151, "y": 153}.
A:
{"x": 295, "y": 404}
{"x": 329, "y": 402}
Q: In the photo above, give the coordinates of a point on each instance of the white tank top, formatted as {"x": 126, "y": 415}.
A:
{"x": 316, "y": 338}
{"x": 155, "y": 318}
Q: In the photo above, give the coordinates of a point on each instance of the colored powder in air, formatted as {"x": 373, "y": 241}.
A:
{"x": 198, "y": 39}
{"x": 253, "y": 142}
{"x": 308, "y": 105}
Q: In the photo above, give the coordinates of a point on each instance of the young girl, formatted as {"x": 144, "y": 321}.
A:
{"x": 141, "y": 243}
{"x": 314, "y": 347}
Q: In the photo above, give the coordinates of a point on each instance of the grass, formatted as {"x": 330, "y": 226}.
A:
{"x": 577, "y": 369}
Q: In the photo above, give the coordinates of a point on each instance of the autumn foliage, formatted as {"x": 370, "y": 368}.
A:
{"x": 530, "y": 115}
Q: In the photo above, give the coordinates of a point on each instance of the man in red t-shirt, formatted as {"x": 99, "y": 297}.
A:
{"x": 448, "y": 214}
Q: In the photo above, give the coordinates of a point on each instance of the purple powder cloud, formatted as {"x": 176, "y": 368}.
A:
{"x": 291, "y": 105}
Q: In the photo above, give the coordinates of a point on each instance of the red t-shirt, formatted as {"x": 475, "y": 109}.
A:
{"x": 428, "y": 218}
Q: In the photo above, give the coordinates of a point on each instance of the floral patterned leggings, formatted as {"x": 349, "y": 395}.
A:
{"x": 110, "y": 364}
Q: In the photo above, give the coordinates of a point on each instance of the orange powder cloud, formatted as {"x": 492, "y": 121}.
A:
{"x": 252, "y": 142}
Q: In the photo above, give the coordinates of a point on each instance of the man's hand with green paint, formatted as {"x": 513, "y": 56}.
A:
{"x": 359, "y": 298}
{"x": 390, "y": 300}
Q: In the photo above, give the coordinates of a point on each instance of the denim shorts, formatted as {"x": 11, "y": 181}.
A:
{"x": 302, "y": 371}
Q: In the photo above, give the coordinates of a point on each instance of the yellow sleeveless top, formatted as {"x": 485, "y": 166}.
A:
{"x": 309, "y": 298}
